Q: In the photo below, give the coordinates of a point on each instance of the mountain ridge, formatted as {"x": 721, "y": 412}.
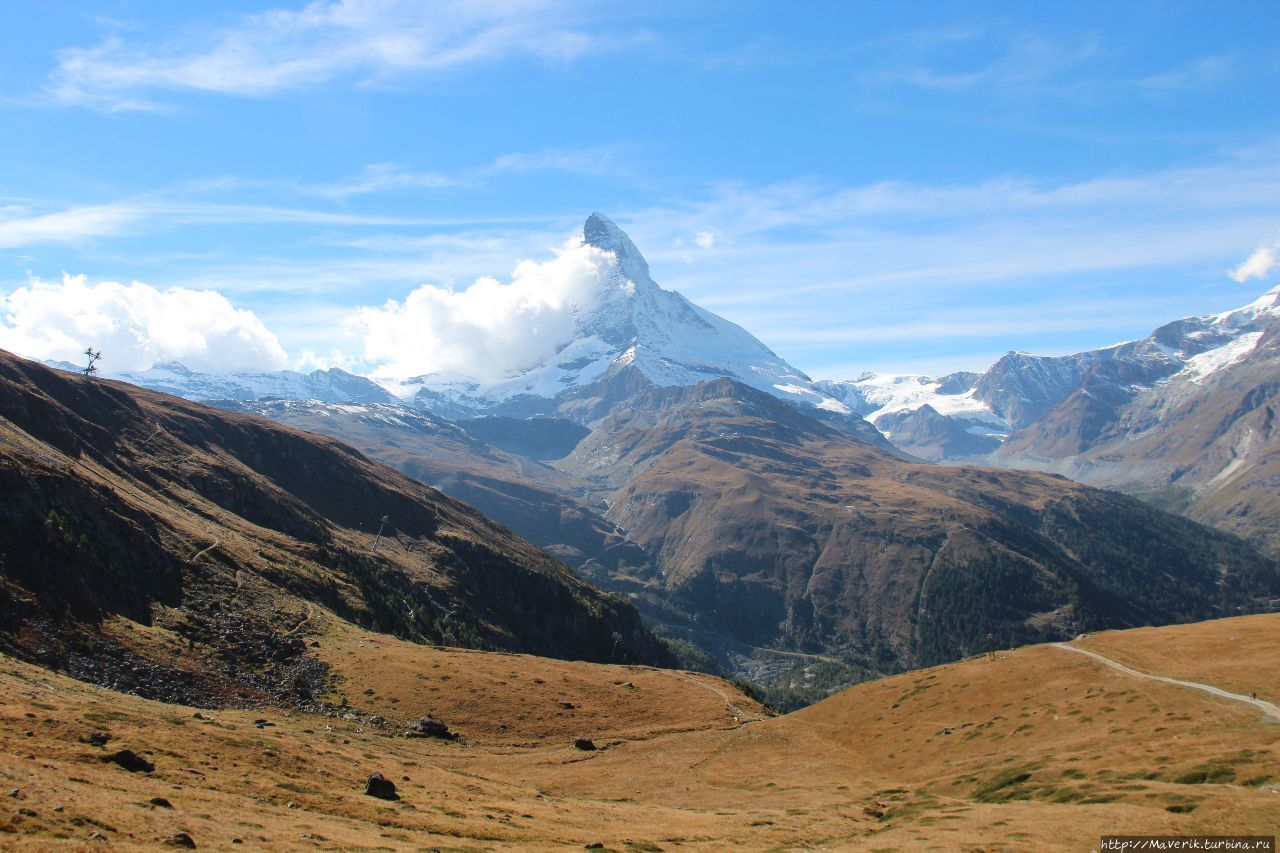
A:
{"x": 229, "y": 530}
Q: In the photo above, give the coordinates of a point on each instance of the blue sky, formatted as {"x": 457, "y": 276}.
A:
{"x": 910, "y": 187}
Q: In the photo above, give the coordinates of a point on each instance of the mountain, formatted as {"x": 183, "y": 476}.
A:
{"x": 777, "y": 529}
{"x": 176, "y": 550}
{"x": 671, "y": 457}
{"x": 741, "y": 524}
{"x": 1051, "y": 406}
{"x": 539, "y": 503}
{"x": 1203, "y": 440}
{"x": 637, "y": 334}
{"x": 330, "y": 386}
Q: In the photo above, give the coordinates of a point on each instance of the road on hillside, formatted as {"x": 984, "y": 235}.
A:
{"x": 1269, "y": 710}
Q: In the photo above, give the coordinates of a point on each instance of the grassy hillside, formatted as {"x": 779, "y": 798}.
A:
{"x": 1039, "y": 749}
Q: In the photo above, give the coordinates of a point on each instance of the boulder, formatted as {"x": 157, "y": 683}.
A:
{"x": 131, "y": 761}
{"x": 430, "y": 727}
{"x": 584, "y": 743}
{"x": 381, "y": 787}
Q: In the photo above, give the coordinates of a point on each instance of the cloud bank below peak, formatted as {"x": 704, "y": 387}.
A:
{"x": 489, "y": 330}
{"x": 135, "y": 326}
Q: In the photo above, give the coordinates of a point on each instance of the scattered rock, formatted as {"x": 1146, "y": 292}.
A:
{"x": 58, "y": 807}
{"x": 584, "y": 743}
{"x": 568, "y": 706}
{"x": 376, "y": 720}
{"x": 96, "y": 738}
{"x": 262, "y": 724}
{"x": 946, "y": 730}
{"x": 160, "y": 803}
{"x": 29, "y": 812}
{"x": 198, "y": 716}
{"x": 15, "y": 793}
{"x": 290, "y": 805}
{"x": 181, "y": 839}
{"x": 131, "y": 761}
{"x": 381, "y": 787}
{"x": 431, "y": 727}
{"x": 594, "y": 845}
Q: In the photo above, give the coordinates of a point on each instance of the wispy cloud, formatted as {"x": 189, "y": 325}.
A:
{"x": 384, "y": 177}
{"x": 366, "y": 42}
{"x": 20, "y": 226}
{"x": 23, "y": 226}
{"x": 595, "y": 161}
{"x": 990, "y": 57}
{"x": 1204, "y": 71}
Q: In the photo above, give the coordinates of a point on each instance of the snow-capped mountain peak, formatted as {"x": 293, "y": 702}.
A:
{"x": 601, "y": 232}
{"x": 636, "y": 325}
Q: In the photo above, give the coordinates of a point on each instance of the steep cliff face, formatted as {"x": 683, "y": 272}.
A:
{"x": 229, "y": 529}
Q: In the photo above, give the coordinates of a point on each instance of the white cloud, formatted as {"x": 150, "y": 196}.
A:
{"x": 1257, "y": 265}
{"x": 288, "y": 50}
{"x": 385, "y": 177}
{"x": 135, "y": 326}
{"x": 490, "y": 329}
{"x": 20, "y": 227}
{"x": 598, "y": 160}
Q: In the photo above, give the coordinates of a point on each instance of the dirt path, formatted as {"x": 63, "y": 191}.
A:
{"x": 216, "y": 543}
{"x": 305, "y": 619}
{"x": 1269, "y": 710}
{"x": 739, "y": 716}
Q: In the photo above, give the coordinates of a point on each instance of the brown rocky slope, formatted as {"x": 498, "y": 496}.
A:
{"x": 230, "y": 531}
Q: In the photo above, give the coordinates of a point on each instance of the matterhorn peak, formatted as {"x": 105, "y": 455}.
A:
{"x": 601, "y": 231}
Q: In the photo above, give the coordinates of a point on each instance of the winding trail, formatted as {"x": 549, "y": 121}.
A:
{"x": 305, "y": 619}
{"x": 739, "y": 716}
{"x": 1269, "y": 710}
{"x": 216, "y": 543}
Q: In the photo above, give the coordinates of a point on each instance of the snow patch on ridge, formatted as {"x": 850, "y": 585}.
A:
{"x": 1211, "y": 361}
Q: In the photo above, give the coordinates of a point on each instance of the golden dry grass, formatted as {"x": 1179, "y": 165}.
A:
{"x": 1039, "y": 749}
